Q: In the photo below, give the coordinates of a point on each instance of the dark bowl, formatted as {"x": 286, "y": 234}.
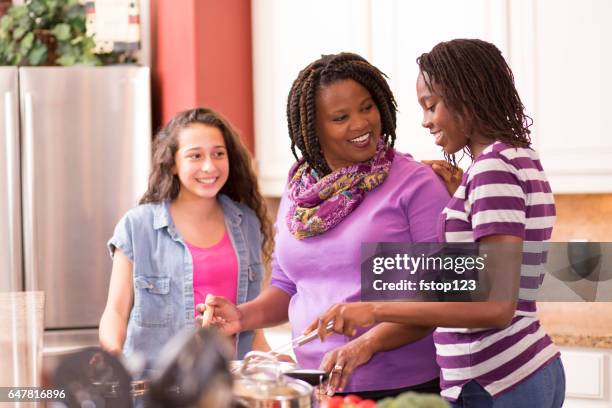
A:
{"x": 312, "y": 377}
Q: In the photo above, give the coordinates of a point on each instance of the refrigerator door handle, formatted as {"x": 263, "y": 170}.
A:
{"x": 29, "y": 210}
{"x": 14, "y": 205}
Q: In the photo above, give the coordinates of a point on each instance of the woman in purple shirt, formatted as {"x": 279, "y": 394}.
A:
{"x": 494, "y": 353}
{"x": 349, "y": 186}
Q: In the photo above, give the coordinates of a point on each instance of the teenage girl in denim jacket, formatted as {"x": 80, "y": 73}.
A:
{"x": 200, "y": 228}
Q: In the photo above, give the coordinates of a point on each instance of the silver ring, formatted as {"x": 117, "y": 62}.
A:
{"x": 338, "y": 367}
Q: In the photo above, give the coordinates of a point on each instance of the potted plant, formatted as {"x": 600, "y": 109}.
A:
{"x": 46, "y": 32}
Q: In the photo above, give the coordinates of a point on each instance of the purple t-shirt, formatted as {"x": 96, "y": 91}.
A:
{"x": 323, "y": 270}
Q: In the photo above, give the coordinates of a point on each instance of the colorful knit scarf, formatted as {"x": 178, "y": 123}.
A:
{"x": 319, "y": 203}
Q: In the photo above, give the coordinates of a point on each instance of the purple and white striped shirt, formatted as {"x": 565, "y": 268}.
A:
{"x": 504, "y": 192}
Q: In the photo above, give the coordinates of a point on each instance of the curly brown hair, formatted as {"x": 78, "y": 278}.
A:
{"x": 241, "y": 185}
{"x": 320, "y": 73}
{"x": 476, "y": 83}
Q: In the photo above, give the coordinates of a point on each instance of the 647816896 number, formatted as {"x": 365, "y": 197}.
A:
{"x": 30, "y": 394}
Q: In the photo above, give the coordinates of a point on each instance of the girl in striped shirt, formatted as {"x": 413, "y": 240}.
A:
{"x": 491, "y": 354}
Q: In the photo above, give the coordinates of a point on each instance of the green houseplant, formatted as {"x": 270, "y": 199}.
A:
{"x": 46, "y": 32}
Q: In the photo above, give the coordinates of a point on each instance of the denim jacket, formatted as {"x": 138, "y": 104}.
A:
{"x": 163, "y": 273}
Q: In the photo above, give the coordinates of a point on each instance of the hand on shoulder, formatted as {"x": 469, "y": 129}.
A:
{"x": 450, "y": 175}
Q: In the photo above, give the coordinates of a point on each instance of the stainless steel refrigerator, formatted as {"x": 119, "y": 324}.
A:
{"x": 74, "y": 156}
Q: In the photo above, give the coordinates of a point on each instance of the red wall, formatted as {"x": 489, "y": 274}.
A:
{"x": 202, "y": 57}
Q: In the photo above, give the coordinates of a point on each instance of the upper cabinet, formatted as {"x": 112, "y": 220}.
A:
{"x": 403, "y": 30}
{"x": 560, "y": 52}
{"x": 562, "y": 59}
{"x": 288, "y": 35}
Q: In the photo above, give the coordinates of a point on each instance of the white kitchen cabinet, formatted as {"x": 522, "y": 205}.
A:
{"x": 403, "y": 30}
{"x": 587, "y": 373}
{"x": 560, "y": 52}
{"x": 288, "y": 35}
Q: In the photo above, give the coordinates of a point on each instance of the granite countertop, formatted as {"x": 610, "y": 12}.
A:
{"x": 582, "y": 340}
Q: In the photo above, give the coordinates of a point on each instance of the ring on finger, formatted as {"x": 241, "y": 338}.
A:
{"x": 338, "y": 368}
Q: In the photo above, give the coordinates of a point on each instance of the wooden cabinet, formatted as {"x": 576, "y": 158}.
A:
{"x": 560, "y": 52}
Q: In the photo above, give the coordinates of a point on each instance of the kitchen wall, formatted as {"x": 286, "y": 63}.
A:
{"x": 202, "y": 57}
{"x": 580, "y": 216}
{"x": 583, "y": 216}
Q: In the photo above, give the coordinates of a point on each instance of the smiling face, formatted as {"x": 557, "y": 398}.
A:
{"x": 446, "y": 127}
{"x": 201, "y": 161}
{"x": 347, "y": 122}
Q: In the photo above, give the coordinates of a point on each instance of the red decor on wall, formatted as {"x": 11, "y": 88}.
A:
{"x": 202, "y": 56}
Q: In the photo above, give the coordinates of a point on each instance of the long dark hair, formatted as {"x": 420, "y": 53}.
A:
{"x": 241, "y": 185}
{"x": 325, "y": 71}
{"x": 476, "y": 84}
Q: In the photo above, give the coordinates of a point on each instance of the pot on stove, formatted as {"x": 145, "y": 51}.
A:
{"x": 260, "y": 383}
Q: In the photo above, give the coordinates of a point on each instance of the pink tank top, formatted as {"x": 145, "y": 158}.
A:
{"x": 215, "y": 270}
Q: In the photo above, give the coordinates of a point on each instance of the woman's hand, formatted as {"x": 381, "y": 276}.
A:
{"x": 346, "y": 317}
{"x": 451, "y": 175}
{"x": 221, "y": 313}
{"x": 341, "y": 362}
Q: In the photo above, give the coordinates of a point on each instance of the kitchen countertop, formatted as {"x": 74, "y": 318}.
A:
{"x": 582, "y": 340}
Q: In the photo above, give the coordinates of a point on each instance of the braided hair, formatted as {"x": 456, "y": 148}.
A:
{"x": 323, "y": 72}
{"x": 476, "y": 83}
